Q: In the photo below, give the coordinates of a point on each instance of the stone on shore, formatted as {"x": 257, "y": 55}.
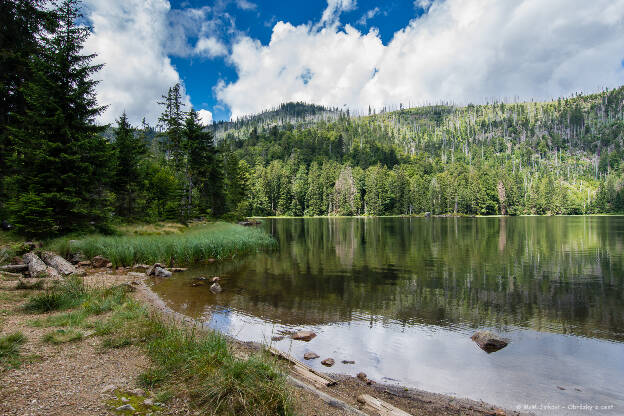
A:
{"x": 161, "y": 272}
{"x": 36, "y": 267}
{"x": 488, "y": 341}
{"x": 99, "y": 261}
{"x": 152, "y": 269}
{"x": 310, "y": 355}
{"x": 328, "y": 362}
{"x": 303, "y": 335}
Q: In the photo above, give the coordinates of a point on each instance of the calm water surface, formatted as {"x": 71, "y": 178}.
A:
{"x": 401, "y": 297}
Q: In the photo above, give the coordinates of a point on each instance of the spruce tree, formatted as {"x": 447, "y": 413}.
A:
{"x": 22, "y": 22}
{"x": 60, "y": 158}
{"x": 129, "y": 148}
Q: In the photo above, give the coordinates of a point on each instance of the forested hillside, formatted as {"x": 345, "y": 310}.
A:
{"x": 61, "y": 171}
{"x": 560, "y": 157}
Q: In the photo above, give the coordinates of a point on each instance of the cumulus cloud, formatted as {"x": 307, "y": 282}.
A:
{"x": 460, "y": 50}
{"x": 129, "y": 39}
{"x": 205, "y": 117}
{"x": 210, "y": 47}
{"x": 335, "y": 8}
{"x": 246, "y": 5}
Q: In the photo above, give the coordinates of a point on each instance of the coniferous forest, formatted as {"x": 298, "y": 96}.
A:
{"x": 62, "y": 172}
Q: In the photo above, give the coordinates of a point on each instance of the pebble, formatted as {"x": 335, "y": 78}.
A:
{"x": 148, "y": 402}
{"x": 310, "y": 355}
{"x": 125, "y": 407}
{"x": 328, "y": 362}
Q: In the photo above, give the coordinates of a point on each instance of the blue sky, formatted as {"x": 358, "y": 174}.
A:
{"x": 238, "y": 57}
{"x": 201, "y": 74}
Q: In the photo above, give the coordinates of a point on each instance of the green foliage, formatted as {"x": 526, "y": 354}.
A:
{"x": 217, "y": 241}
{"x": 59, "y": 160}
{"x": 10, "y": 349}
{"x": 66, "y": 295}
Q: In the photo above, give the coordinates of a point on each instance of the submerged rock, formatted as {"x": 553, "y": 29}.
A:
{"x": 310, "y": 355}
{"x": 99, "y": 261}
{"x": 277, "y": 338}
{"x": 215, "y": 288}
{"x": 328, "y": 362}
{"x": 303, "y": 335}
{"x": 348, "y": 362}
{"x": 488, "y": 341}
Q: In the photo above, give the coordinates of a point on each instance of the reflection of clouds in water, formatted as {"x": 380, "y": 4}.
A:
{"x": 527, "y": 371}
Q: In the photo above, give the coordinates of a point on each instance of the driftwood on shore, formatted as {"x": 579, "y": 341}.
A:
{"x": 59, "y": 263}
{"x": 36, "y": 267}
{"x": 330, "y": 400}
{"x": 14, "y": 268}
{"x": 303, "y": 370}
{"x": 381, "y": 407}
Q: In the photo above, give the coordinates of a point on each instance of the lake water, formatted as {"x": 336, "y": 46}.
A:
{"x": 402, "y": 296}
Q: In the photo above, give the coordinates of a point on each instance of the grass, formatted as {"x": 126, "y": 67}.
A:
{"x": 198, "y": 365}
{"x": 61, "y": 336}
{"x": 10, "y": 346}
{"x": 218, "y": 240}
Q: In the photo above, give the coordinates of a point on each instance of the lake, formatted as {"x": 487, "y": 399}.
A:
{"x": 402, "y": 296}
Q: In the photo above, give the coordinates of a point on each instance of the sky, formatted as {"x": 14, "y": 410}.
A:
{"x": 239, "y": 57}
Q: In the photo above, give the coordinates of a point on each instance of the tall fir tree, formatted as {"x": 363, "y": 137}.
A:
{"x": 22, "y": 23}
{"x": 129, "y": 148}
{"x": 60, "y": 159}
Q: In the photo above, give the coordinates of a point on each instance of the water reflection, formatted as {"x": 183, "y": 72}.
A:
{"x": 401, "y": 296}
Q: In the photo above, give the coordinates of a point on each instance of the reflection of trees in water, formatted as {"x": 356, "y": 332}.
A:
{"x": 550, "y": 274}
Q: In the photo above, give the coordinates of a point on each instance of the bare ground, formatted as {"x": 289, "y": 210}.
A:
{"x": 81, "y": 378}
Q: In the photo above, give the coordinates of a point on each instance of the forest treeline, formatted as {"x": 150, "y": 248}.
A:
{"x": 61, "y": 171}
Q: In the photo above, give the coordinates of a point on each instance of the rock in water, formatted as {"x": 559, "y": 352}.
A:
{"x": 310, "y": 355}
{"x": 152, "y": 270}
{"x": 303, "y": 335}
{"x": 160, "y": 272}
{"x": 99, "y": 261}
{"x": 215, "y": 279}
{"x": 215, "y": 288}
{"x": 328, "y": 362}
{"x": 36, "y": 267}
{"x": 488, "y": 341}
{"x": 348, "y": 362}
{"x": 59, "y": 263}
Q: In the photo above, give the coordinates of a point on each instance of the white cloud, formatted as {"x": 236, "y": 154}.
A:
{"x": 246, "y": 5}
{"x": 335, "y": 8}
{"x": 368, "y": 15}
{"x": 422, "y": 4}
{"x": 205, "y": 117}
{"x": 129, "y": 38}
{"x": 211, "y": 47}
{"x": 461, "y": 50}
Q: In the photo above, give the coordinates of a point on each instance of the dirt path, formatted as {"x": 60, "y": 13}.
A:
{"x": 81, "y": 378}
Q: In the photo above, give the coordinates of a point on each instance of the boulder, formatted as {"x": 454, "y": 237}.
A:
{"x": 310, "y": 355}
{"x": 161, "y": 272}
{"x": 303, "y": 335}
{"x": 36, "y": 267}
{"x": 99, "y": 261}
{"x": 215, "y": 288}
{"x": 328, "y": 362}
{"x": 52, "y": 272}
{"x": 59, "y": 263}
{"x": 488, "y": 341}
{"x": 152, "y": 270}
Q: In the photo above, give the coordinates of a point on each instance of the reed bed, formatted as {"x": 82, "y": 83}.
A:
{"x": 219, "y": 240}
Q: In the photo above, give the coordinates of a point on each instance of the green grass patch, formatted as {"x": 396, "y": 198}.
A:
{"x": 10, "y": 346}
{"x": 23, "y": 285}
{"x": 218, "y": 240}
{"x": 62, "y": 336}
{"x": 70, "y": 319}
{"x": 66, "y": 295}
{"x": 137, "y": 402}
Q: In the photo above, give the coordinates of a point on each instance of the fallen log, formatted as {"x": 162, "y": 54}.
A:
{"x": 381, "y": 407}
{"x": 332, "y": 401}
{"x": 59, "y": 263}
{"x": 14, "y": 268}
{"x": 36, "y": 267}
{"x": 304, "y": 370}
